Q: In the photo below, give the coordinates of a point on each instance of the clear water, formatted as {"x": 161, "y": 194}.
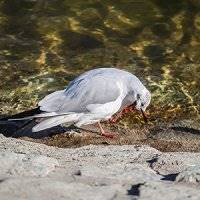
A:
{"x": 45, "y": 44}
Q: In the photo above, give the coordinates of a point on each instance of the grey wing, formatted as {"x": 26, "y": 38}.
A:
{"x": 81, "y": 92}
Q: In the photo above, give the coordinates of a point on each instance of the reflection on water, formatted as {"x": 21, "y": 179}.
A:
{"x": 45, "y": 44}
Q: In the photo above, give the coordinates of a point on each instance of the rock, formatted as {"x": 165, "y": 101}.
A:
{"x": 35, "y": 171}
{"x": 166, "y": 190}
{"x": 124, "y": 172}
{"x": 48, "y": 189}
{"x": 77, "y": 173}
{"x": 26, "y": 165}
{"x": 171, "y": 163}
{"x": 190, "y": 175}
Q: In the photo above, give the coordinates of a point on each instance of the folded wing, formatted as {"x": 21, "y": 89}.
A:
{"x": 80, "y": 93}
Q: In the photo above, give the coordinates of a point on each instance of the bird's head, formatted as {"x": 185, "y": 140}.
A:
{"x": 143, "y": 99}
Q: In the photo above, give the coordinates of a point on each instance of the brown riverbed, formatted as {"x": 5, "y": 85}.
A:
{"x": 167, "y": 138}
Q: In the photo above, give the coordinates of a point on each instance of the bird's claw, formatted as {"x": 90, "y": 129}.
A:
{"x": 113, "y": 120}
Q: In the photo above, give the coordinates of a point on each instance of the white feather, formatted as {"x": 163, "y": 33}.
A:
{"x": 42, "y": 115}
{"x": 55, "y": 121}
{"x": 53, "y": 101}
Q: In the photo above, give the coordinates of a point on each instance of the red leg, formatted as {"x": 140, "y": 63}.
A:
{"x": 115, "y": 117}
{"x": 103, "y": 133}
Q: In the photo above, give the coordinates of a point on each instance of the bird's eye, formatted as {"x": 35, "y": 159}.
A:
{"x": 142, "y": 104}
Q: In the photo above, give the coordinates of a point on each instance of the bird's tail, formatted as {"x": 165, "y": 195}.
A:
{"x": 23, "y": 115}
{"x": 55, "y": 121}
{"x": 41, "y": 115}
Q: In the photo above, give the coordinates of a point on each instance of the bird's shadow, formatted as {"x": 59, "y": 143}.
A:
{"x": 23, "y": 128}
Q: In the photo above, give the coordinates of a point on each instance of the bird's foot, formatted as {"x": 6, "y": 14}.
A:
{"x": 115, "y": 118}
{"x": 118, "y": 115}
{"x": 108, "y": 135}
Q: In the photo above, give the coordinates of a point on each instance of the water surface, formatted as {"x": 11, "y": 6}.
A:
{"x": 45, "y": 44}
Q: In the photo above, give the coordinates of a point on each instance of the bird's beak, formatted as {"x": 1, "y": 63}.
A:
{"x": 144, "y": 116}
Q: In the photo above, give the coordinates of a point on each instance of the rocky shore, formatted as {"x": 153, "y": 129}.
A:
{"x": 33, "y": 171}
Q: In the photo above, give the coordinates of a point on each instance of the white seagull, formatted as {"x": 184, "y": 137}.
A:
{"x": 96, "y": 95}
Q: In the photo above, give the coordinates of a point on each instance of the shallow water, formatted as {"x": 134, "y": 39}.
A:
{"x": 45, "y": 44}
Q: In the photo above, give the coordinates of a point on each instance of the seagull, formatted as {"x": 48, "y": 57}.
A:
{"x": 97, "y": 95}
